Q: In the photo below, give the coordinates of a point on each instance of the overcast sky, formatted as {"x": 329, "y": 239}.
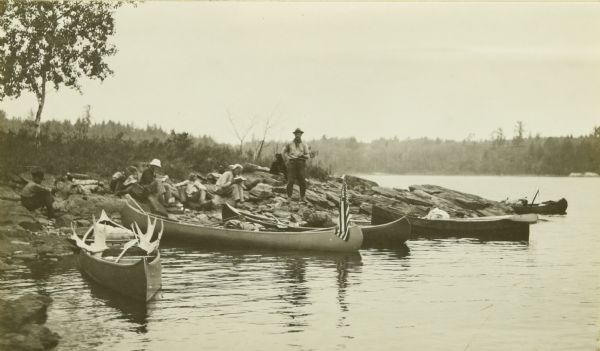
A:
{"x": 367, "y": 70}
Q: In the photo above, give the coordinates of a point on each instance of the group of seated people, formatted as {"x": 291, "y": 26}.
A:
{"x": 156, "y": 189}
{"x": 160, "y": 192}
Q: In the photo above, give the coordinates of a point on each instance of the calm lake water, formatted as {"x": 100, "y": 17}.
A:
{"x": 440, "y": 295}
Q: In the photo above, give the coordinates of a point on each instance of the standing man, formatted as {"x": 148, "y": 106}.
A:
{"x": 297, "y": 153}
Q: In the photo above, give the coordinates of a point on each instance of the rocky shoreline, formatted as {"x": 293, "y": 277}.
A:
{"x": 26, "y": 235}
{"x": 29, "y": 236}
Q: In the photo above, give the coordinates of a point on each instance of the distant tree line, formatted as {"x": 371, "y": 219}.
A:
{"x": 497, "y": 156}
{"x": 83, "y": 146}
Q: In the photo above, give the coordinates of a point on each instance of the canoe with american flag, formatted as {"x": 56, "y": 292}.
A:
{"x": 387, "y": 235}
{"x": 193, "y": 233}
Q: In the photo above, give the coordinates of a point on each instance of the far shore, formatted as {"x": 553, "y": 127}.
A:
{"x": 468, "y": 175}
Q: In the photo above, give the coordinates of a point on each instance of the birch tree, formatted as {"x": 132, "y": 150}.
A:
{"x": 53, "y": 44}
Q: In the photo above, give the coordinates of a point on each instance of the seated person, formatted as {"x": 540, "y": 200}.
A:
{"x": 278, "y": 166}
{"x": 34, "y": 195}
{"x": 64, "y": 186}
{"x": 171, "y": 192}
{"x": 116, "y": 180}
{"x": 127, "y": 182}
{"x": 231, "y": 184}
{"x": 211, "y": 182}
{"x": 195, "y": 192}
{"x": 155, "y": 191}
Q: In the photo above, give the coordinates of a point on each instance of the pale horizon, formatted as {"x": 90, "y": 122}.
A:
{"x": 364, "y": 70}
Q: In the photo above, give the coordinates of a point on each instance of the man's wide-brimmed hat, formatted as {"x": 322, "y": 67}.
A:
{"x": 237, "y": 165}
{"x": 155, "y": 162}
{"x": 298, "y": 130}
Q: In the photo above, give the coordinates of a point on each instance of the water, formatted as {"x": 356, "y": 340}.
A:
{"x": 442, "y": 295}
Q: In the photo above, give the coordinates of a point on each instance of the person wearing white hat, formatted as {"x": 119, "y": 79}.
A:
{"x": 149, "y": 174}
{"x": 231, "y": 184}
{"x": 156, "y": 163}
{"x": 296, "y": 153}
{"x": 154, "y": 187}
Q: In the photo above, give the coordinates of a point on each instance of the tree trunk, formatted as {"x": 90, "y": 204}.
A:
{"x": 257, "y": 156}
{"x": 38, "y": 116}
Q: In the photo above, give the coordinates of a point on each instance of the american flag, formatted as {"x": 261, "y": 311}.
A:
{"x": 344, "y": 217}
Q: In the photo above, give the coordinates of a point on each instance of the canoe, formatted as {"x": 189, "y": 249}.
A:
{"x": 138, "y": 277}
{"x": 120, "y": 259}
{"x": 547, "y": 207}
{"x": 388, "y": 235}
{"x": 509, "y": 228}
{"x": 193, "y": 233}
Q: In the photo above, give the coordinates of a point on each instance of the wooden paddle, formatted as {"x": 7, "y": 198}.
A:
{"x": 534, "y": 196}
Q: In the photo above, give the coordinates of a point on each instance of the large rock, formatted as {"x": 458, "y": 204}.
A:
{"x": 83, "y": 206}
{"x": 262, "y": 191}
{"x": 7, "y": 193}
{"x": 358, "y": 183}
{"x": 65, "y": 220}
{"x": 251, "y": 167}
{"x": 12, "y": 212}
{"x": 279, "y": 190}
{"x": 260, "y": 177}
{"x": 400, "y": 206}
{"x": 30, "y": 308}
{"x": 411, "y": 198}
{"x": 21, "y": 326}
{"x": 389, "y": 192}
{"x": 332, "y": 197}
{"x": 402, "y": 195}
{"x": 317, "y": 199}
{"x": 280, "y": 213}
{"x": 317, "y": 219}
{"x": 461, "y": 204}
{"x": 15, "y": 232}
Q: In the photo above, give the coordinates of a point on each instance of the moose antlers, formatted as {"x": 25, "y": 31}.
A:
{"x": 145, "y": 238}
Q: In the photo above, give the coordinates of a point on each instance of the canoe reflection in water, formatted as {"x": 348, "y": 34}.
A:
{"x": 287, "y": 285}
{"x": 132, "y": 311}
{"x": 296, "y": 291}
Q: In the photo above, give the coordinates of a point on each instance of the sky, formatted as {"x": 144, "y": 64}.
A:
{"x": 367, "y": 70}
